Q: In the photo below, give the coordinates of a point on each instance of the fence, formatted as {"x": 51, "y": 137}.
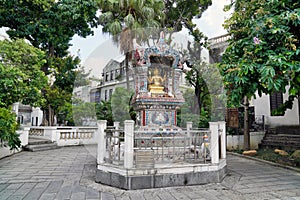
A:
{"x": 139, "y": 149}
{"x": 65, "y": 136}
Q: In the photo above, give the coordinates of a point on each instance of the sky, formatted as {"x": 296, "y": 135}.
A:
{"x": 96, "y": 51}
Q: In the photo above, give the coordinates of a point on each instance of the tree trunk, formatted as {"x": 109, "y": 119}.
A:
{"x": 49, "y": 115}
{"x": 127, "y": 70}
{"x": 246, "y": 124}
{"x": 299, "y": 108}
{"x": 197, "y": 109}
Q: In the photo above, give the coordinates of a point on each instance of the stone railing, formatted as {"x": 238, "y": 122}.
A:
{"x": 160, "y": 147}
{"x": 36, "y": 131}
{"x": 218, "y": 41}
{"x": 65, "y": 136}
{"x": 76, "y": 136}
{"x": 160, "y": 159}
{"x": 138, "y": 149}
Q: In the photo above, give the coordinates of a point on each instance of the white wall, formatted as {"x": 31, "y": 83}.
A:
{"x": 236, "y": 142}
{"x": 262, "y": 107}
{"x": 36, "y": 112}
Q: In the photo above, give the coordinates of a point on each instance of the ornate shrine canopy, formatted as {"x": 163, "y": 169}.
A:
{"x": 160, "y": 53}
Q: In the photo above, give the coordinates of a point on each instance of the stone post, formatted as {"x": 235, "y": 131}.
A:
{"x": 189, "y": 126}
{"x": 23, "y": 135}
{"x": 101, "y": 148}
{"x": 214, "y": 142}
{"x": 222, "y": 128}
{"x": 129, "y": 137}
{"x": 117, "y": 133}
{"x": 50, "y": 133}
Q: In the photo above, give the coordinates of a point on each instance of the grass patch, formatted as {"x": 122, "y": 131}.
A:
{"x": 270, "y": 155}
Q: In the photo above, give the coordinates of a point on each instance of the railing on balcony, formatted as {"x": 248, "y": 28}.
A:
{"x": 218, "y": 41}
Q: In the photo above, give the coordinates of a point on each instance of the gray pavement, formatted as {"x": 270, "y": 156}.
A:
{"x": 68, "y": 173}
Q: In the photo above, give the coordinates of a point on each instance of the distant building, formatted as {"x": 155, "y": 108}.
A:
{"x": 114, "y": 75}
{"x": 27, "y": 115}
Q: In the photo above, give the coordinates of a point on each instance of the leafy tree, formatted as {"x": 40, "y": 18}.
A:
{"x": 187, "y": 111}
{"x": 120, "y": 104}
{"x": 263, "y": 52}
{"x": 180, "y": 13}
{"x": 20, "y": 81}
{"x": 20, "y": 76}
{"x": 50, "y": 25}
{"x": 83, "y": 112}
{"x": 104, "y": 112}
{"x": 8, "y": 129}
{"x": 195, "y": 78}
{"x": 126, "y": 20}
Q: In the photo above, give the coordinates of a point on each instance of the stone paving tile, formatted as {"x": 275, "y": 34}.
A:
{"x": 5, "y": 194}
{"x": 125, "y": 197}
{"x": 68, "y": 173}
{"x": 106, "y": 196}
{"x": 78, "y": 196}
{"x": 151, "y": 195}
{"x": 54, "y": 187}
{"x": 47, "y": 196}
{"x": 35, "y": 193}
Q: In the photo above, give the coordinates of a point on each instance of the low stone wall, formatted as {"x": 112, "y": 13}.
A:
{"x": 5, "y": 151}
{"x": 236, "y": 142}
{"x": 132, "y": 179}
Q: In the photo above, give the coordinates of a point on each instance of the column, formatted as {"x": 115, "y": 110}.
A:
{"x": 222, "y": 129}
{"x": 116, "y": 134}
{"x": 214, "y": 142}
{"x": 189, "y": 126}
{"x": 129, "y": 139}
{"x": 51, "y": 132}
{"x": 101, "y": 147}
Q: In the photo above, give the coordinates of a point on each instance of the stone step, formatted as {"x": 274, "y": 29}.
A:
{"x": 281, "y": 138}
{"x": 35, "y": 141}
{"x": 288, "y": 145}
{"x": 41, "y": 147}
{"x": 283, "y": 141}
{"x": 39, "y": 144}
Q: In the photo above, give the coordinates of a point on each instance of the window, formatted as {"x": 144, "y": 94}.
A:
{"x": 97, "y": 97}
{"x": 276, "y": 100}
{"x": 106, "y": 76}
{"x": 110, "y": 93}
{"x": 20, "y": 119}
{"x": 111, "y": 75}
{"x": 105, "y": 95}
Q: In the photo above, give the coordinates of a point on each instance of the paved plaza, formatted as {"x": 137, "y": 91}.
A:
{"x": 68, "y": 173}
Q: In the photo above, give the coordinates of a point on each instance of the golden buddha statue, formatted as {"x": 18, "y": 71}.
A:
{"x": 155, "y": 83}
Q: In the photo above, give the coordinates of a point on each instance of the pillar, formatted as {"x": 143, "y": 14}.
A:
{"x": 129, "y": 140}
{"x": 189, "y": 126}
{"x": 101, "y": 147}
{"x": 214, "y": 142}
{"x": 222, "y": 129}
{"x": 116, "y": 133}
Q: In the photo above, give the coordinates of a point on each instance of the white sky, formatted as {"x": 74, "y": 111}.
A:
{"x": 95, "y": 51}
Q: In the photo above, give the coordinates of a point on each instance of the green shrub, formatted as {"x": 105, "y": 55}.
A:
{"x": 8, "y": 128}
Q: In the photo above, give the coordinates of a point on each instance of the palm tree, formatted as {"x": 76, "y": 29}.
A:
{"x": 127, "y": 19}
